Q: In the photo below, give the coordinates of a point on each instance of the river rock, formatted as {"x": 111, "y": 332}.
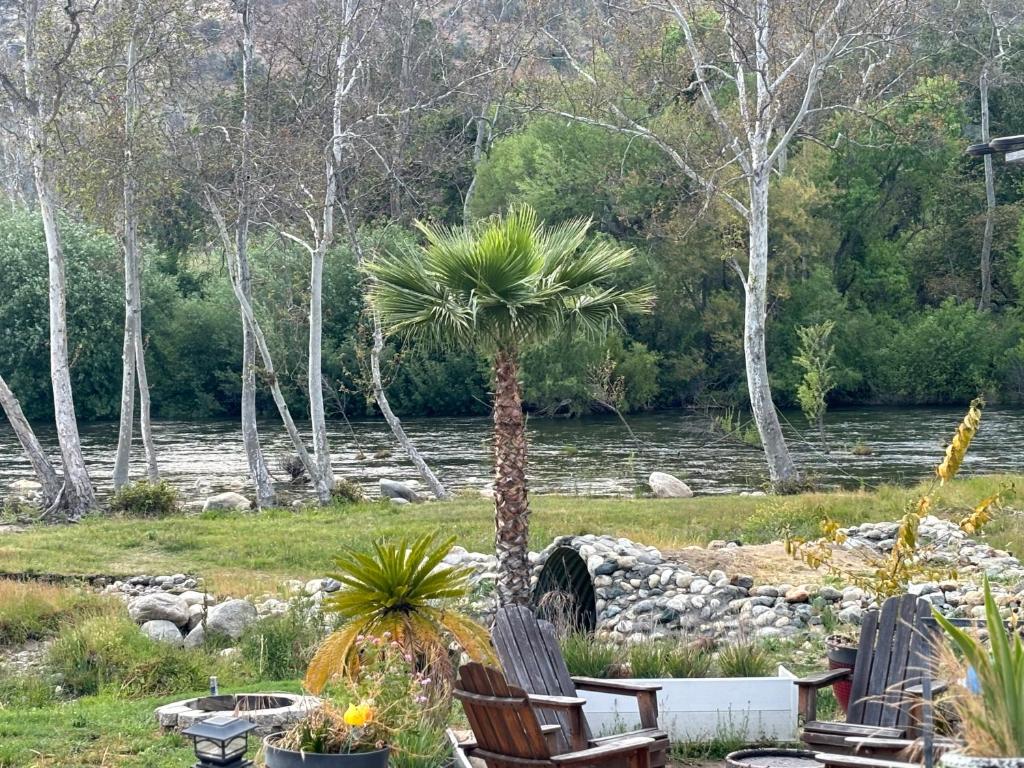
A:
{"x": 195, "y": 638}
{"x": 229, "y": 501}
{"x": 163, "y": 632}
{"x": 231, "y": 618}
{"x": 392, "y": 489}
{"x": 666, "y": 486}
{"x": 159, "y": 606}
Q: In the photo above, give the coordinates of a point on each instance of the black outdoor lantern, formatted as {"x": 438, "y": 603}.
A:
{"x": 221, "y": 742}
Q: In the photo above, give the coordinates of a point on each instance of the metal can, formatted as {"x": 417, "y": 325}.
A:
{"x": 213, "y": 685}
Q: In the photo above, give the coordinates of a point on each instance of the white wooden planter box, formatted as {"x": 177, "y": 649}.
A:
{"x": 698, "y": 709}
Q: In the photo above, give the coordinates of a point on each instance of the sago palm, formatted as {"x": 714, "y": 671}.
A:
{"x": 500, "y": 284}
{"x": 401, "y": 592}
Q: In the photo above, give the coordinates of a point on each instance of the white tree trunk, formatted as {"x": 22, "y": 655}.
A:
{"x": 133, "y": 354}
{"x": 145, "y": 423}
{"x": 985, "y": 300}
{"x": 128, "y": 362}
{"x": 323, "y": 480}
{"x": 781, "y": 468}
{"x": 250, "y": 434}
{"x": 389, "y": 416}
{"x": 45, "y": 473}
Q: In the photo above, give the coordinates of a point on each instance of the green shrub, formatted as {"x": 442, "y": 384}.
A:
{"x": 24, "y": 691}
{"x": 280, "y": 647}
{"x": 31, "y": 610}
{"x": 145, "y": 499}
{"x": 668, "y": 658}
{"x": 588, "y": 657}
{"x": 425, "y": 746}
{"x": 347, "y": 492}
{"x": 112, "y": 652}
{"x": 744, "y": 659}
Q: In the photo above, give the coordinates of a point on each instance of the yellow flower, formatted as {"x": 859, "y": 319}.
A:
{"x": 358, "y": 715}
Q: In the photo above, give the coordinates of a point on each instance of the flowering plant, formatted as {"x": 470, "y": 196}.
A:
{"x": 389, "y": 696}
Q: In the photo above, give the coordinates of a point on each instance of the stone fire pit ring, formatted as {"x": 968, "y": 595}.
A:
{"x": 269, "y": 712}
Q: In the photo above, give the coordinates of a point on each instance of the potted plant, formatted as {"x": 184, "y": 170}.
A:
{"x": 990, "y": 702}
{"x": 360, "y": 721}
{"x": 841, "y": 652}
{"x": 384, "y": 671}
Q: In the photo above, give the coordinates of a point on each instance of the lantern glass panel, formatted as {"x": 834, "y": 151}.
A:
{"x": 209, "y": 750}
{"x": 235, "y": 747}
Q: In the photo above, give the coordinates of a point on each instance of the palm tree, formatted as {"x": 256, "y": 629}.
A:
{"x": 498, "y": 285}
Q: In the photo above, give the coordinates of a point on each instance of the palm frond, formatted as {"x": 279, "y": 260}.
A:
{"x": 506, "y": 279}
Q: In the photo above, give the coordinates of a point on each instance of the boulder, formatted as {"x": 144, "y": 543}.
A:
{"x": 159, "y": 606}
{"x": 666, "y": 486}
{"x": 391, "y": 489}
{"x": 231, "y": 618}
{"x": 163, "y": 632}
{"x": 195, "y": 638}
{"x": 195, "y": 616}
{"x": 192, "y": 597}
{"x": 229, "y": 500}
{"x": 25, "y": 487}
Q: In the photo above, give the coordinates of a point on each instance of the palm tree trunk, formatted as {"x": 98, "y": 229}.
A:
{"x": 511, "y": 506}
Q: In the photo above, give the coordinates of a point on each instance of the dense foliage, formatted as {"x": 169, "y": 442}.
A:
{"x": 876, "y": 226}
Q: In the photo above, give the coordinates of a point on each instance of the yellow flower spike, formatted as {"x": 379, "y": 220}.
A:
{"x": 358, "y": 715}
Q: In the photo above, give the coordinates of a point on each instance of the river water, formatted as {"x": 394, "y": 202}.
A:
{"x": 596, "y": 456}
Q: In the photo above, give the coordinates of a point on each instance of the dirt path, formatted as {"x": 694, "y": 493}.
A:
{"x": 767, "y": 563}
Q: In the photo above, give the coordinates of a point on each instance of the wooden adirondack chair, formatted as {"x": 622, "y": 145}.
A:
{"x": 508, "y": 733}
{"x": 532, "y": 659}
{"x": 894, "y": 655}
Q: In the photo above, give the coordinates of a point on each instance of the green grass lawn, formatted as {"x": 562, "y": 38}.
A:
{"x": 105, "y": 731}
{"x": 239, "y": 552}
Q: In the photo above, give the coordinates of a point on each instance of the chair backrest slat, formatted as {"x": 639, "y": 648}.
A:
{"x": 532, "y": 659}
{"x": 500, "y": 715}
{"x": 894, "y": 652}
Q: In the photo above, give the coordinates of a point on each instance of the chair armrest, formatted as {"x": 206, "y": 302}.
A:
{"x": 807, "y": 705}
{"x": 573, "y": 708}
{"x": 613, "y": 686}
{"x": 938, "y": 686}
{"x": 646, "y": 695}
{"x": 604, "y": 753}
{"x": 821, "y": 679}
{"x": 555, "y": 702}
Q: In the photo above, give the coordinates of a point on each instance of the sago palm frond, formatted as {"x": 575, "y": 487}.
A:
{"x": 403, "y": 589}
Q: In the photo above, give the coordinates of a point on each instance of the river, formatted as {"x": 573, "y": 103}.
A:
{"x": 594, "y": 456}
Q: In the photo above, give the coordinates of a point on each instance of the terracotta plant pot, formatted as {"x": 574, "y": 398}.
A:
{"x": 842, "y": 654}
{"x": 278, "y": 757}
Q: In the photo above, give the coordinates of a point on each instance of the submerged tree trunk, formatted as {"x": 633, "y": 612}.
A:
{"x": 389, "y": 416}
{"x": 45, "y": 473}
{"x": 781, "y": 468}
{"x": 985, "y": 300}
{"x": 511, "y": 506}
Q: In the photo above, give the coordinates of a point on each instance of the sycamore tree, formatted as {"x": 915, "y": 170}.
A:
{"x": 723, "y": 88}
{"x": 498, "y": 285}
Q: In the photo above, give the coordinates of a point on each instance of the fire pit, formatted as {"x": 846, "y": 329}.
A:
{"x": 269, "y": 712}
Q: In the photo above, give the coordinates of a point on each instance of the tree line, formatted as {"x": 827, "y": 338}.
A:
{"x": 198, "y": 192}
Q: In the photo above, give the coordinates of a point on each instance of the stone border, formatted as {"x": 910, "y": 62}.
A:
{"x": 181, "y": 714}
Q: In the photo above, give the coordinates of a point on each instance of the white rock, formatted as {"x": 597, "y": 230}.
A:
{"x": 229, "y": 500}
{"x": 192, "y": 597}
{"x": 392, "y": 489}
{"x": 159, "y": 606}
{"x": 162, "y": 631}
{"x": 666, "y": 486}
{"x": 195, "y": 638}
{"x": 231, "y": 618}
